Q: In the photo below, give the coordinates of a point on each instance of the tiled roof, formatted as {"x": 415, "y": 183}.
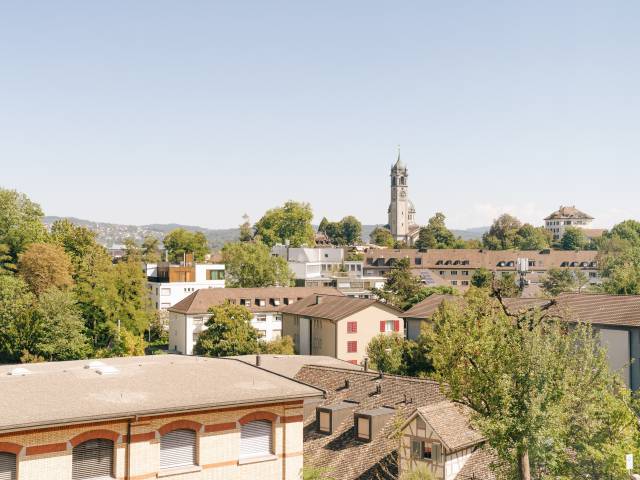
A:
{"x": 451, "y": 423}
{"x": 201, "y": 300}
{"x": 568, "y": 212}
{"x": 290, "y": 365}
{"x": 333, "y": 307}
{"x": 427, "y": 307}
{"x": 478, "y": 467}
{"x": 345, "y": 457}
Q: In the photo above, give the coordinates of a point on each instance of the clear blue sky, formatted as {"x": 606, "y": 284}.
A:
{"x": 199, "y": 111}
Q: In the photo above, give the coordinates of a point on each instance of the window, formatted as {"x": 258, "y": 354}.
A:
{"x": 165, "y": 305}
{"x": 92, "y": 459}
{"x": 352, "y": 327}
{"x": 389, "y": 326}
{"x": 7, "y": 466}
{"x": 454, "y": 272}
{"x": 352, "y": 346}
{"x": 165, "y": 291}
{"x": 418, "y": 261}
{"x": 465, "y": 282}
{"x": 256, "y": 439}
{"x": 324, "y": 422}
{"x": 465, "y": 273}
{"x": 363, "y": 424}
{"x": 593, "y": 274}
{"x": 178, "y": 449}
{"x": 454, "y": 282}
{"x": 261, "y": 317}
{"x": 421, "y": 450}
{"x": 441, "y": 272}
{"x": 215, "y": 274}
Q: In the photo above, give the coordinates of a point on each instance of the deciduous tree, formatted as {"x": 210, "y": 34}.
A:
{"x": 44, "y": 266}
{"x": 503, "y": 233}
{"x": 437, "y": 235}
{"x": 560, "y": 280}
{"x": 252, "y": 265}
{"x": 573, "y": 239}
{"x": 229, "y": 332}
{"x": 20, "y": 222}
{"x": 179, "y": 242}
{"x": 385, "y": 352}
{"x": 382, "y": 237}
{"x": 291, "y": 222}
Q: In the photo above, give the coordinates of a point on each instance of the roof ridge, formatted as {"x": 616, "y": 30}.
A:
{"x": 375, "y": 374}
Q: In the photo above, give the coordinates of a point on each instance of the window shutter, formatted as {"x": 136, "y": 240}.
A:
{"x": 255, "y": 439}
{"x": 382, "y": 324}
{"x": 436, "y": 448}
{"x": 416, "y": 449}
{"x": 92, "y": 459}
{"x": 178, "y": 449}
{"x": 396, "y": 325}
{"x": 7, "y": 466}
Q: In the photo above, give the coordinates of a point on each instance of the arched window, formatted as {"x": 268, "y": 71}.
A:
{"x": 93, "y": 459}
{"x": 256, "y": 439}
{"x": 178, "y": 448}
{"x": 7, "y": 466}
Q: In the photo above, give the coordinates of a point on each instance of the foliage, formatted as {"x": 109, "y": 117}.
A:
{"x": 151, "y": 249}
{"x": 252, "y": 265}
{"x": 436, "y": 235}
{"x": 20, "y": 222}
{"x": 322, "y": 228}
{"x": 279, "y": 346}
{"x": 7, "y": 263}
{"x": 503, "y": 233}
{"x": 573, "y": 239}
{"x": 401, "y": 285}
{"x": 229, "y": 332}
{"x": 77, "y": 241}
{"x": 505, "y": 284}
{"x": 543, "y": 393}
{"x": 291, "y": 222}
{"x": 345, "y": 232}
{"x": 482, "y": 278}
{"x": 627, "y": 231}
{"x": 17, "y": 332}
{"x": 127, "y": 344}
{"x": 45, "y": 265}
{"x": 416, "y": 359}
{"x": 532, "y": 238}
{"x": 621, "y": 271}
{"x": 426, "y": 292}
{"x": 246, "y": 233}
{"x": 315, "y": 473}
{"x": 382, "y": 236}
{"x": 559, "y": 280}
{"x": 131, "y": 303}
{"x": 354, "y": 256}
{"x": 385, "y": 352}
{"x": 179, "y": 242}
{"x": 419, "y": 473}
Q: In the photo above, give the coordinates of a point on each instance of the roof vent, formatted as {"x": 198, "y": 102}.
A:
{"x": 94, "y": 364}
{"x": 19, "y": 372}
{"x": 107, "y": 370}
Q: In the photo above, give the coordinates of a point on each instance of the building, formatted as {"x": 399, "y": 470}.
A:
{"x": 616, "y": 319}
{"x": 455, "y": 267}
{"x": 150, "y": 417}
{"x": 187, "y": 318}
{"x": 564, "y": 217}
{"x": 328, "y": 267}
{"x": 352, "y": 432}
{"x": 338, "y": 326}
{"x": 402, "y": 213}
{"x": 168, "y": 284}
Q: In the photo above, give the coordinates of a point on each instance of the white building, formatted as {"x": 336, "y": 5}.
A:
{"x": 169, "y": 284}
{"x": 565, "y": 217}
{"x": 402, "y": 213}
{"x": 187, "y": 318}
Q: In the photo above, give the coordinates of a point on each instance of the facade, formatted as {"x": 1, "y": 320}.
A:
{"x": 150, "y": 417}
{"x": 616, "y": 319}
{"x": 564, "y": 217}
{"x": 338, "y": 326}
{"x": 188, "y": 317}
{"x": 455, "y": 267}
{"x": 168, "y": 284}
{"x": 402, "y": 213}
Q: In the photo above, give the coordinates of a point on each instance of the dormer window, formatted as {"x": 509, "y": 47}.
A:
{"x": 329, "y": 417}
{"x": 363, "y": 428}
{"x": 324, "y": 421}
{"x": 368, "y": 423}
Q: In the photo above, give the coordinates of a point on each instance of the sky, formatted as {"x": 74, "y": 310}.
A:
{"x": 196, "y": 112}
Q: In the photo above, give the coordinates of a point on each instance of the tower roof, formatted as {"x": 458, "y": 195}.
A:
{"x": 399, "y": 165}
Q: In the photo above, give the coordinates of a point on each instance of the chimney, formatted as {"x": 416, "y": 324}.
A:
{"x": 318, "y": 299}
{"x": 346, "y": 383}
{"x": 366, "y": 364}
{"x": 258, "y": 360}
{"x": 378, "y": 388}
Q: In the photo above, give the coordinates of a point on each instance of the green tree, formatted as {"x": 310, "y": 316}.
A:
{"x": 425, "y": 292}
{"x": 382, "y": 237}
{"x": 252, "y": 265}
{"x": 543, "y": 394}
{"x": 418, "y": 473}
{"x": 532, "y": 238}
{"x": 246, "y": 234}
{"x": 482, "y": 278}
{"x": 416, "y": 357}
{"x": 45, "y": 265}
{"x": 506, "y": 285}
{"x": 151, "y": 249}
{"x": 573, "y": 239}
{"x": 503, "y": 234}
{"x": 17, "y": 332}
{"x": 351, "y": 230}
{"x": 436, "y": 234}
{"x": 76, "y": 240}
{"x": 179, "y": 242}
{"x": 401, "y": 285}
{"x": 335, "y": 234}
{"x": 131, "y": 304}
{"x": 7, "y": 263}
{"x": 628, "y": 231}
{"x": 322, "y": 228}
{"x": 385, "y": 352}
{"x": 20, "y": 222}
{"x": 278, "y": 346}
{"x": 560, "y": 280}
{"x": 229, "y": 332}
{"x": 620, "y": 270}
{"x": 291, "y": 222}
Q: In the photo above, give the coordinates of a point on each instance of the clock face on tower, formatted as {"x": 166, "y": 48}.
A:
{"x": 403, "y": 194}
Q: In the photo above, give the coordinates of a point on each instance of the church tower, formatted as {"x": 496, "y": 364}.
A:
{"x": 401, "y": 210}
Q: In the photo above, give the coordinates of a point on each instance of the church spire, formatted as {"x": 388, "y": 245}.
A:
{"x": 399, "y": 165}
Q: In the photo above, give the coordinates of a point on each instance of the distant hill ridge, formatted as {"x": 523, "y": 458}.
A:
{"x": 110, "y": 234}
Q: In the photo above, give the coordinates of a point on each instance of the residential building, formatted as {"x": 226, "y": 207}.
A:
{"x": 455, "y": 267}
{"x": 564, "y": 217}
{"x": 616, "y": 319}
{"x": 338, "y": 326}
{"x": 150, "y": 417}
{"x": 187, "y": 318}
{"x": 352, "y": 431}
{"x": 402, "y": 213}
{"x": 168, "y": 283}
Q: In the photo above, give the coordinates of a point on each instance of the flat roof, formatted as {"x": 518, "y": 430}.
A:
{"x": 290, "y": 365}
{"x": 70, "y": 392}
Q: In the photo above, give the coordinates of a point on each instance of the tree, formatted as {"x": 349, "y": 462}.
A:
{"x": 76, "y": 240}
{"x": 278, "y": 346}
{"x": 385, "y": 352}
{"x": 20, "y": 222}
{"x": 482, "y": 278}
{"x": 179, "y": 242}
{"x": 246, "y": 235}
{"x": 506, "y": 285}
{"x": 542, "y": 393}
{"x": 151, "y": 249}
{"x": 45, "y": 265}
{"x": 382, "y": 236}
{"x": 291, "y": 222}
{"x": 252, "y": 265}
{"x": 131, "y": 304}
{"x": 418, "y": 473}
{"x": 560, "y": 280}
{"x": 322, "y": 228}
{"x": 503, "y": 233}
{"x": 7, "y": 264}
{"x": 573, "y": 239}
{"x": 351, "y": 230}
{"x": 621, "y": 270}
{"x": 532, "y": 238}
{"x": 229, "y": 332}
{"x": 401, "y": 285}
{"x": 17, "y": 332}
{"x": 416, "y": 357}
{"x": 425, "y": 292}
{"x": 436, "y": 234}
{"x": 629, "y": 231}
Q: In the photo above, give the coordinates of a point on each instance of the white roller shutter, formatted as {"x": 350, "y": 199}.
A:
{"x": 255, "y": 438}
{"x": 7, "y": 466}
{"x": 93, "y": 459}
{"x": 178, "y": 449}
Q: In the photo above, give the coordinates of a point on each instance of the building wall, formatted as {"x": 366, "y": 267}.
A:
{"x": 414, "y": 327}
{"x": 617, "y": 342}
{"x": 165, "y": 295}
{"x": 46, "y": 453}
{"x": 406, "y": 463}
